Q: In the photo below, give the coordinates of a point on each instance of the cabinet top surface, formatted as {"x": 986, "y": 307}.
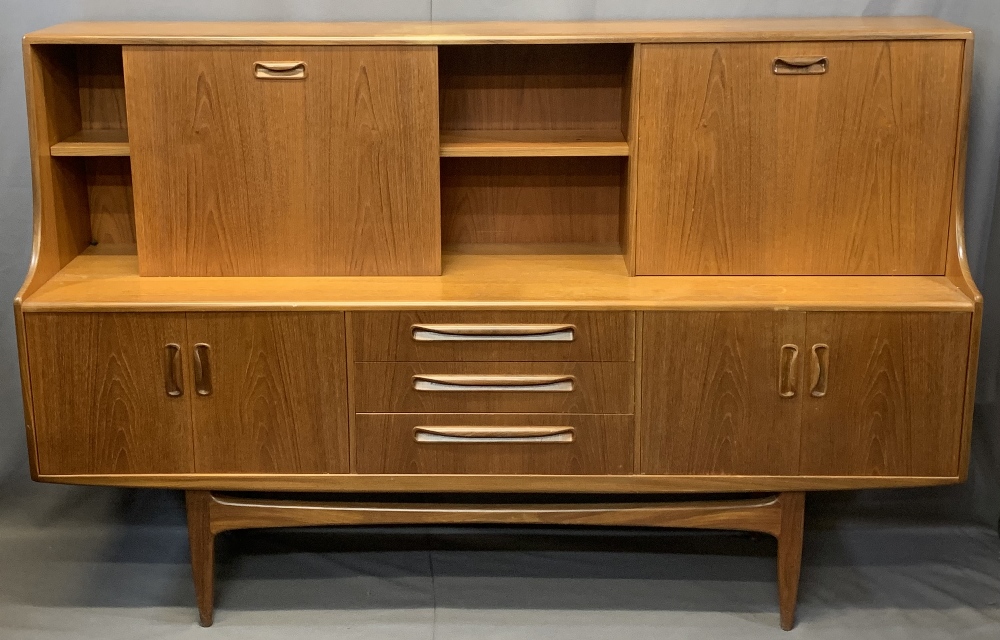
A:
{"x": 432, "y": 33}
{"x": 110, "y": 282}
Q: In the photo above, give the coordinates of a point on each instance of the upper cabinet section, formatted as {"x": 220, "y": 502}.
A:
{"x": 266, "y": 161}
{"x": 825, "y": 158}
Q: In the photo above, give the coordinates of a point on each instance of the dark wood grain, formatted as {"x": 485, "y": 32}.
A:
{"x": 600, "y": 387}
{"x": 710, "y": 402}
{"x": 601, "y": 445}
{"x": 894, "y": 402}
{"x": 793, "y": 504}
{"x": 201, "y": 540}
{"x": 746, "y": 172}
{"x": 336, "y": 174}
{"x": 100, "y": 404}
{"x": 279, "y": 393}
{"x": 530, "y": 200}
{"x": 532, "y": 86}
{"x": 598, "y": 336}
{"x": 102, "y": 87}
{"x": 109, "y": 187}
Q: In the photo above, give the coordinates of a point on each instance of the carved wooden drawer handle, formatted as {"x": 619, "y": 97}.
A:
{"x": 459, "y": 382}
{"x": 820, "y": 369}
{"x": 479, "y": 435}
{"x": 788, "y": 371}
{"x": 280, "y": 70}
{"x": 172, "y": 375}
{"x": 493, "y": 332}
{"x": 202, "y": 369}
{"x": 800, "y": 66}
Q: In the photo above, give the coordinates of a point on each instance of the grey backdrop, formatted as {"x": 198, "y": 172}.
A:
{"x": 979, "y": 500}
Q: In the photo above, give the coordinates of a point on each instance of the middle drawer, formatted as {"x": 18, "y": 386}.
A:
{"x": 493, "y": 387}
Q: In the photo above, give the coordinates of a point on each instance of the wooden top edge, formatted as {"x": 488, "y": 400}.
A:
{"x": 431, "y": 33}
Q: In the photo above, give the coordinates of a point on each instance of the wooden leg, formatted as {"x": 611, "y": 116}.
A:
{"x": 202, "y": 541}
{"x": 790, "y": 554}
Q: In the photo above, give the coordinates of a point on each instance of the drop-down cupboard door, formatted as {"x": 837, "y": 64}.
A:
{"x": 284, "y": 161}
{"x": 808, "y": 158}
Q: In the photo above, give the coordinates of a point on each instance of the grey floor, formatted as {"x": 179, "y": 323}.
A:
{"x": 103, "y": 563}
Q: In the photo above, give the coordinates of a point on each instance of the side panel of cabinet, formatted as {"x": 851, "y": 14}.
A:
{"x": 894, "y": 394}
{"x": 277, "y": 400}
{"x": 746, "y": 171}
{"x": 710, "y": 393}
{"x": 99, "y": 385}
{"x": 336, "y": 173}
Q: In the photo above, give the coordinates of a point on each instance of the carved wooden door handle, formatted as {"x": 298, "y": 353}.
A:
{"x": 820, "y": 370}
{"x": 202, "y": 369}
{"x": 493, "y": 332}
{"x": 474, "y": 435}
{"x": 172, "y": 373}
{"x": 788, "y": 372}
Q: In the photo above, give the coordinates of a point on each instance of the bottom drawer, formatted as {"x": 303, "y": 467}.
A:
{"x": 540, "y": 444}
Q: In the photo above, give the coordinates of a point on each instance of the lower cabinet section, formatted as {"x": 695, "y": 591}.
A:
{"x": 536, "y": 444}
{"x": 162, "y": 393}
{"x": 803, "y": 393}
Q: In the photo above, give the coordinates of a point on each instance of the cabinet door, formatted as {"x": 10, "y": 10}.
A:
{"x": 712, "y": 385}
{"x": 327, "y": 168}
{"x": 270, "y": 392}
{"x": 108, "y": 393}
{"x": 750, "y": 165}
{"x": 887, "y": 395}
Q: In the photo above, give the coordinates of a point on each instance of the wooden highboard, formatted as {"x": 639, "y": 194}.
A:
{"x": 433, "y": 261}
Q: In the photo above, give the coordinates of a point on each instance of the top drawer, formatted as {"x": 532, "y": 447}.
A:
{"x": 517, "y": 336}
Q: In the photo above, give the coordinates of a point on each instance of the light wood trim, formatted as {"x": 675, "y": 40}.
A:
{"x": 523, "y": 332}
{"x": 627, "y": 223}
{"x": 472, "y": 435}
{"x": 471, "y": 281}
{"x": 93, "y": 142}
{"x": 957, "y": 265}
{"x": 466, "y": 382}
{"x": 497, "y": 483}
{"x": 437, "y": 33}
{"x": 530, "y": 142}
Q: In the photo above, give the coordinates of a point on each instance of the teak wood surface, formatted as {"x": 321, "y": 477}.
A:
{"x": 333, "y": 174}
{"x": 790, "y": 193}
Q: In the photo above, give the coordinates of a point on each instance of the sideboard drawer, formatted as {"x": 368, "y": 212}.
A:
{"x": 445, "y": 336}
{"x": 495, "y": 444}
{"x": 486, "y": 387}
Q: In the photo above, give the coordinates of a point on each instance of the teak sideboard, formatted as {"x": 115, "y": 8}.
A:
{"x": 504, "y": 273}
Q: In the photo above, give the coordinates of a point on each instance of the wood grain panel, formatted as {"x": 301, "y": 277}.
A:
{"x": 388, "y": 337}
{"x": 530, "y": 200}
{"x": 601, "y": 445}
{"x": 746, "y": 172}
{"x": 109, "y": 187}
{"x": 102, "y": 87}
{"x": 335, "y": 174}
{"x": 710, "y": 402}
{"x": 386, "y": 387}
{"x": 100, "y": 397}
{"x": 895, "y": 394}
{"x": 279, "y": 393}
{"x": 532, "y": 87}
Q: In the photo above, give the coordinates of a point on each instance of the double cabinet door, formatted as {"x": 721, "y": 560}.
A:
{"x": 803, "y": 393}
{"x": 284, "y": 161}
{"x": 160, "y": 393}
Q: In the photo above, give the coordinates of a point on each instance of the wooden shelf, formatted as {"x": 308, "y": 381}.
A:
{"x": 532, "y": 143}
{"x": 107, "y": 278}
{"x": 93, "y": 142}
